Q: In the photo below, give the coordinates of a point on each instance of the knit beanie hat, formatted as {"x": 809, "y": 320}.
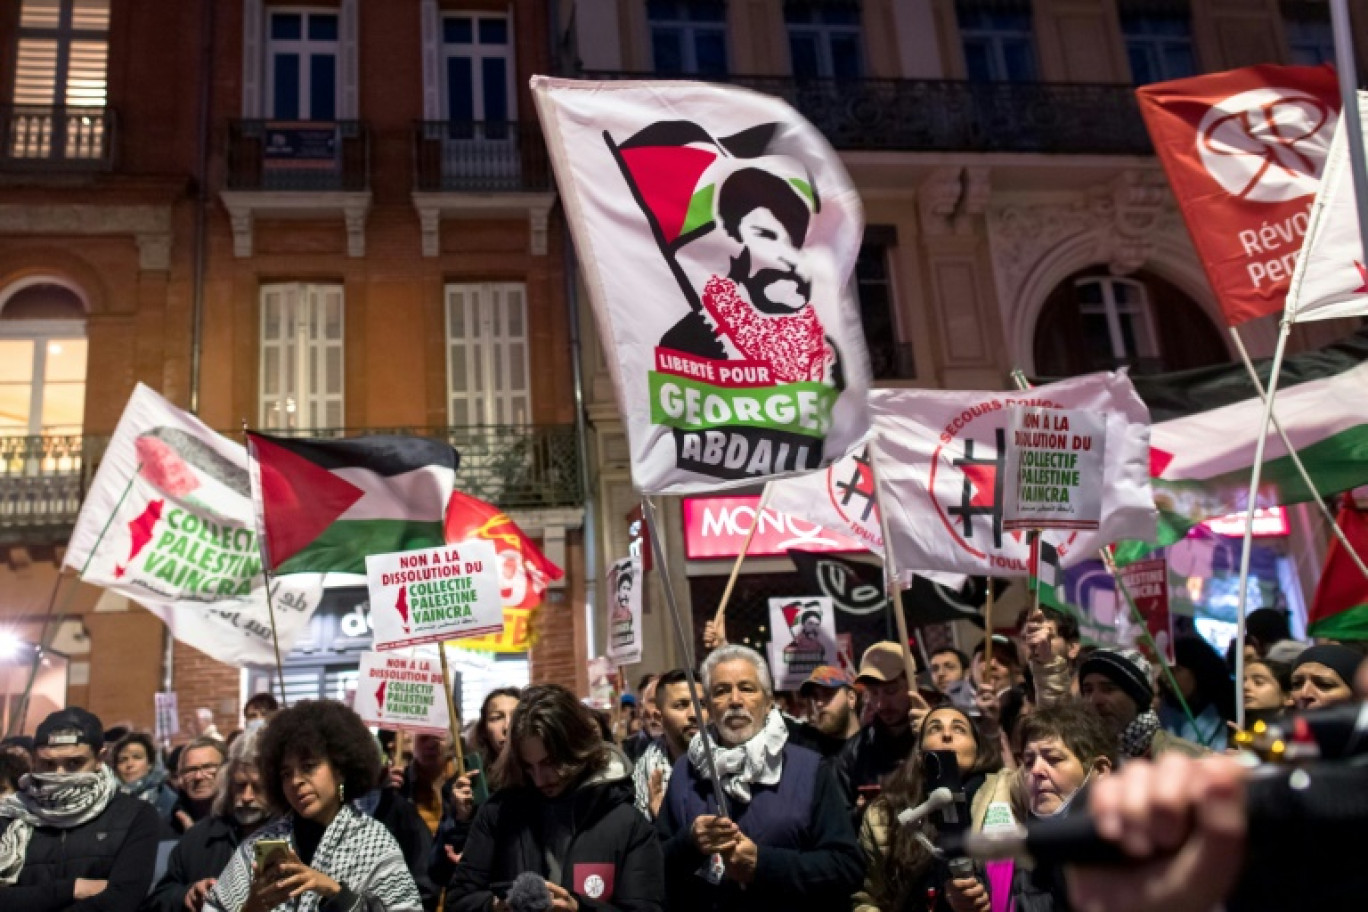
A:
{"x": 1127, "y": 669}
{"x": 1342, "y": 660}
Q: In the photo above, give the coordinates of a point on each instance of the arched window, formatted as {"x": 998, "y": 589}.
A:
{"x": 42, "y": 359}
{"x": 1096, "y": 321}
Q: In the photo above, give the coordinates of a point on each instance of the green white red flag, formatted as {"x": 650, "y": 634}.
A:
{"x": 1340, "y": 609}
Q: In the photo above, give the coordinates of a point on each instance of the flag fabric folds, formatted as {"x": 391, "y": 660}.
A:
{"x": 168, "y": 523}
{"x": 859, "y": 588}
{"x": 1046, "y": 575}
{"x": 840, "y": 498}
{"x": 1332, "y": 277}
{"x": 1340, "y": 609}
{"x": 940, "y": 475}
{"x": 323, "y": 505}
{"x": 524, "y": 571}
{"x": 717, "y": 231}
{"x": 1244, "y": 151}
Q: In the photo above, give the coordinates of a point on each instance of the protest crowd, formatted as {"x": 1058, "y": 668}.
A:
{"x": 555, "y": 807}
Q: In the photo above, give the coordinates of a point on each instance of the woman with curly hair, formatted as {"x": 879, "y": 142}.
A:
{"x": 140, "y": 775}
{"x": 314, "y": 758}
{"x": 566, "y": 813}
{"x": 901, "y": 866}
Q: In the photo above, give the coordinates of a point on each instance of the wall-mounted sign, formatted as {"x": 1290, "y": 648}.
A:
{"x": 716, "y": 527}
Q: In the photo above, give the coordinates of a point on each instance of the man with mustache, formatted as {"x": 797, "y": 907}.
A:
{"x": 675, "y": 709}
{"x": 786, "y": 841}
{"x": 239, "y": 810}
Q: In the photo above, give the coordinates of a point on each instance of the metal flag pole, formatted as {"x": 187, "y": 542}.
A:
{"x": 685, "y": 649}
{"x": 1353, "y": 123}
{"x": 1296, "y": 459}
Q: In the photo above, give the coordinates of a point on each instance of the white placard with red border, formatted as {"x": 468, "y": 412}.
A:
{"x": 1147, "y": 583}
{"x": 1055, "y": 464}
{"x": 436, "y": 594}
{"x": 403, "y": 693}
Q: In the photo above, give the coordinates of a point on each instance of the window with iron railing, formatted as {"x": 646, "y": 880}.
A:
{"x": 1158, "y": 44}
{"x": 825, "y": 39}
{"x": 477, "y": 63}
{"x": 998, "y": 41}
{"x": 42, "y": 361}
{"x": 60, "y": 81}
{"x": 302, "y": 383}
{"x": 688, "y": 37}
{"x": 301, "y": 64}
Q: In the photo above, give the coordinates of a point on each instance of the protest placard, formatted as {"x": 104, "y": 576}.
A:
{"x": 624, "y": 616}
{"x": 168, "y": 716}
{"x": 403, "y": 693}
{"x": 436, "y": 594}
{"x": 802, "y": 636}
{"x": 1055, "y": 463}
{"x": 1147, "y": 583}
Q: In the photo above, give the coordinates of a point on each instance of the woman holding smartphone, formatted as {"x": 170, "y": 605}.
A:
{"x": 323, "y": 855}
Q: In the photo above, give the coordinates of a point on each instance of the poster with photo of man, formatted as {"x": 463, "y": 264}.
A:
{"x": 717, "y": 231}
{"x": 625, "y": 582}
{"x": 802, "y": 636}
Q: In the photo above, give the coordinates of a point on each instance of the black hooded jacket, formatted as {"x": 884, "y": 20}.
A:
{"x": 612, "y": 860}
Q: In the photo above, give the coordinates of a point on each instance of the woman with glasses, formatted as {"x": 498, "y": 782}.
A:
{"x": 314, "y": 759}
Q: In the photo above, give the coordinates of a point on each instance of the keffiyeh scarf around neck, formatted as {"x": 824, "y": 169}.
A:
{"x": 145, "y": 788}
{"x": 759, "y": 761}
{"x": 61, "y": 800}
{"x": 1135, "y": 740}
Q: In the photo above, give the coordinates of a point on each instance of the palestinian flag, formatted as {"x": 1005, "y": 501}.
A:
{"x": 1206, "y": 425}
{"x": 1340, "y": 609}
{"x": 1047, "y": 576}
{"x": 323, "y": 505}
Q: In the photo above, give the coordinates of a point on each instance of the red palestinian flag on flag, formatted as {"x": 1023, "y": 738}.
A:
{"x": 323, "y": 505}
{"x": 1340, "y": 608}
{"x": 524, "y": 572}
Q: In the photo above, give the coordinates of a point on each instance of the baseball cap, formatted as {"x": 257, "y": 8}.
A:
{"x": 70, "y": 726}
{"x": 826, "y": 676}
{"x": 882, "y": 662}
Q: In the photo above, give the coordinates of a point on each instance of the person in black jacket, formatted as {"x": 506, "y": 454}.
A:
{"x": 239, "y": 810}
{"x": 879, "y": 748}
{"x": 786, "y": 841}
{"x": 565, "y": 812}
{"x": 70, "y": 839}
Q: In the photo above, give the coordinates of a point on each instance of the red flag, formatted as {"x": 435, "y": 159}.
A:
{"x": 1244, "y": 151}
{"x": 524, "y": 570}
{"x": 1340, "y": 609}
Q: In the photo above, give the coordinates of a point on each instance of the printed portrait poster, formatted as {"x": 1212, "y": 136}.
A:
{"x": 434, "y": 594}
{"x": 802, "y": 637}
{"x": 625, "y": 584}
{"x": 718, "y": 231}
{"x": 402, "y": 692}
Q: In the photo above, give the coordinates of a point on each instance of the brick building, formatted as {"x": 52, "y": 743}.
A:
{"x": 316, "y": 218}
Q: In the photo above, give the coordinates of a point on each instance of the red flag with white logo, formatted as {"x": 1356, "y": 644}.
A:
{"x": 1244, "y": 151}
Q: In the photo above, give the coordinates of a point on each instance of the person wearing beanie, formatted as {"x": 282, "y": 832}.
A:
{"x": 1117, "y": 683}
{"x": 1323, "y": 676}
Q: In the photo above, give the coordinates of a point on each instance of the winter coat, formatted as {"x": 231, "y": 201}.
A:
{"x": 204, "y": 851}
{"x": 119, "y": 846}
{"x": 868, "y": 756}
{"x": 807, "y": 857}
{"x": 613, "y": 860}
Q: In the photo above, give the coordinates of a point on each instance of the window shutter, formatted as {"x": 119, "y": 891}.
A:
{"x": 324, "y": 357}
{"x": 277, "y": 375}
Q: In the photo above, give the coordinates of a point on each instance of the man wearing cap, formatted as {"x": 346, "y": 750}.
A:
{"x": 876, "y": 750}
{"x": 835, "y": 708}
{"x": 69, "y": 839}
{"x": 1117, "y": 683}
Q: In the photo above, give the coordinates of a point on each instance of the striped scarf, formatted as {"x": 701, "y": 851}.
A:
{"x": 61, "y": 800}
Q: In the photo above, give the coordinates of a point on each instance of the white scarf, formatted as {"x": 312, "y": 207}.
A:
{"x": 759, "y": 761}
{"x": 61, "y": 800}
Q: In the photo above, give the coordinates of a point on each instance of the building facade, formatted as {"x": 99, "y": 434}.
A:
{"x": 312, "y": 218}
{"x": 1016, "y": 217}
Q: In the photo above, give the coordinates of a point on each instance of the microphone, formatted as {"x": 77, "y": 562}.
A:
{"x": 940, "y": 798}
{"x": 529, "y": 894}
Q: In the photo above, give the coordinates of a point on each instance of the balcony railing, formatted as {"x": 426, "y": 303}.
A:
{"x": 484, "y": 156}
{"x": 44, "y": 479}
{"x": 298, "y": 155}
{"x": 938, "y": 115}
{"x": 44, "y": 138}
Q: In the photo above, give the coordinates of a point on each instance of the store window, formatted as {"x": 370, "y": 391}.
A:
{"x": 301, "y": 379}
{"x": 825, "y": 39}
{"x": 998, "y": 41}
{"x": 302, "y": 50}
{"x": 688, "y": 37}
{"x": 42, "y": 360}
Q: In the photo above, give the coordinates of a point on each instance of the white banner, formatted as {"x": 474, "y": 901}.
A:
{"x": 840, "y": 499}
{"x": 435, "y": 594}
{"x": 172, "y": 500}
{"x": 941, "y": 472}
{"x": 802, "y": 637}
{"x": 625, "y": 584}
{"x": 717, "y": 230}
{"x": 1055, "y": 460}
{"x": 1331, "y": 277}
{"x": 402, "y": 693}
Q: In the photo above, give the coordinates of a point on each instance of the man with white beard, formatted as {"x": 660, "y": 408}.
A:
{"x": 786, "y": 841}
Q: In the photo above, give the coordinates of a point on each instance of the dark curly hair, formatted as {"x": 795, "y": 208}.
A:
{"x": 567, "y": 729}
{"x": 135, "y": 737}
{"x": 13, "y": 767}
{"x": 318, "y": 730}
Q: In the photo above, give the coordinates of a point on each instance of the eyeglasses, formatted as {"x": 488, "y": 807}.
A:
{"x": 194, "y": 772}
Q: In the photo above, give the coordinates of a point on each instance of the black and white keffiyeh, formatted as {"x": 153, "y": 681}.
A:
{"x": 1135, "y": 740}
{"x": 356, "y": 851}
{"x": 652, "y": 759}
{"x": 61, "y": 800}
{"x": 759, "y": 761}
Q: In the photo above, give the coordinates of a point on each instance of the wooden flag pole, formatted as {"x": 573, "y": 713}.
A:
{"x": 721, "y": 616}
{"x": 453, "y": 716}
{"x": 1335, "y": 530}
{"x": 891, "y": 573}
